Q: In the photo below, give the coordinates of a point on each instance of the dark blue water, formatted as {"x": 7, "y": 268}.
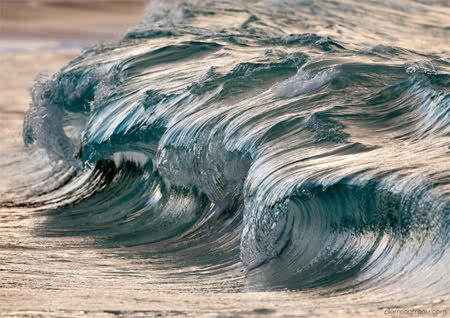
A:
{"x": 284, "y": 144}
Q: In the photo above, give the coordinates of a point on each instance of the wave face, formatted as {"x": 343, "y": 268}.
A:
{"x": 279, "y": 144}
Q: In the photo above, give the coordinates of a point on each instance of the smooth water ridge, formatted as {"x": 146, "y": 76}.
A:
{"x": 253, "y": 146}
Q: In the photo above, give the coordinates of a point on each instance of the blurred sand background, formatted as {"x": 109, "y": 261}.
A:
{"x": 36, "y": 20}
{"x": 40, "y": 36}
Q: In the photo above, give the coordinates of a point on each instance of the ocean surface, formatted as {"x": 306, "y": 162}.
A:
{"x": 236, "y": 159}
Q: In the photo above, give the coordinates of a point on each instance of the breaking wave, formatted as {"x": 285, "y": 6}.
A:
{"x": 224, "y": 134}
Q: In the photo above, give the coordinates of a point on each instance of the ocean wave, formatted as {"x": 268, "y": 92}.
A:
{"x": 308, "y": 160}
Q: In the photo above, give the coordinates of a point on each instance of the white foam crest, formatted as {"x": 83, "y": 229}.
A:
{"x": 303, "y": 83}
{"x": 137, "y": 157}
